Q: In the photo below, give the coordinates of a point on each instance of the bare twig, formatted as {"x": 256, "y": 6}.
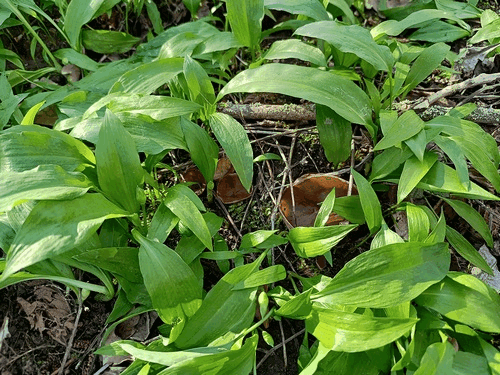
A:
{"x": 276, "y": 347}
{"x": 481, "y": 79}
{"x": 73, "y": 334}
{"x": 228, "y": 216}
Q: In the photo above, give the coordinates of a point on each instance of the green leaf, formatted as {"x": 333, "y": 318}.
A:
{"x": 201, "y": 90}
{"x": 417, "y": 144}
{"x": 487, "y": 32}
{"x": 388, "y": 275}
{"x": 348, "y": 332}
{"x": 267, "y": 156}
{"x": 118, "y": 166}
{"x": 147, "y": 77}
{"x": 369, "y": 202}
{"x": 418, "y": 223}
{"x": 78, "y": 13}
{"x": 349, "y": 207}
{"x": 414, "y": 171}
{"x": 204, "y": 151}
{"x": 474, "y": 218}
{"x": 162, "y": 223}
{"x": 437, "y": 359}
{"x": 108, "y": 41}
{"x": 424, "y": 65}
{"x": 268, "y": 275}
{"x": 465, "y": 299}
{"x": 261, "y": 239}
{"x": 335, "y": 134}
{"x": 234, "y": 140}
{"x": 29, "y": 117}
{"x": 465, "y": 249}
{"x": 184, "y": 208}
{"x": 161, "y": 268}
{"x": 223, "y": 310}
{"x": 438, "y": 234}
{"x": 465, "y": 363}
{"x": 47, "y": 182}
{"x": 385, "y": 236}
{"x": 457, "y": 157}
{"x": 25, "y": 147}
{"x": 155, "y": 106}
{"x": 350, "y": 39}
{"x": 311, "y": 242}
{"x": 55, "y": 227}
{"x": 326, "y": 88}
{"x": 245, "y": 18}
{"x": 388, "y": 161}
{"x": 325, "y": 210}
{"x": 405, "y": 127}
{"x": 295, "y": 49}
{"x": 439, "y": 31}
{"x": 192, "y": 6}
{"x": 299, "y": 307}
{"x": 236, "y": 361}
{"x": 310, "y": 8}
{"x": 70, "y": 56}
{"x": 444, "y": 179}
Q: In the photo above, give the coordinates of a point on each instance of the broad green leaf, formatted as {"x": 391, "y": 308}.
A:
{"x": 418, "y": 223}
{"x": 223, "y": 310}
{"x": 170, "y": 358}
{"x": 335, "y": 134}
{"x": 204, "y": 151}
{"x": 155, "y": 106}
{"x": 405, "y": 127}
{"x": 325, "y": 210}
{"x": 299, "y": 307}
{"x": 70, "y": 56}
{"x": 326, "y": 88}
{"x": 189, "y": 215}
{"x": 162, "y": 268}
{"x": 474, "y": 218}
{"x": 310, "y": 8}
{"x": 311, "y": 242}
{"x": 192, "y": 6}
{"x": 418, "y": 144}
{"x": 439, "y": 31}
{"x": 438, "y": 234}
{"x": 465, "y": 299}
{"x": 437, "y": 360}
{"x": 234, "y": 140}
{"x": 349, "y": 332}
{"x": 25, "y": 147}
{"x": 118, "y": 166}
{"x": 231, "y": 362}
{"x": 78, "y": 13}
{"x": 465, "y": 249}
{"x": 261, "y": 239}
{"x": 444, "y": 179}
{"x": 350, "y": 39}
{"x": 385, "y": 236}
{"x": 147, "y": 77}
{"x": 388, "y": 161}
{"x": 457, "y": 157}
{"x": 162, "y": 224}
{"x": 29, "y": 117}
{"x": 414, "y": 171}
{"x": 268, "y": 275}
{"x": 108, "y": 41}
{"x": 388, "y": 275}
{"x": 349, "y": 207}
{"x": 245, "y": 18}
{"x": 369, "y": 202}
{"x": 487, "y": 32}
{"x": 424, "y": 65}
{"x": 394, "y": 28}
{"x": 295, "y": 49}
{"x": 201, "y": 90}
{"x": 46, "y": 182}
{"x": 342, "y": 363}
{"x": 465, "y": 363}
{"x": 55, "y": 227}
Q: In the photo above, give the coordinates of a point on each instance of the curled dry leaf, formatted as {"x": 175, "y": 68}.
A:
{"x": 229, "y": 188}
{"x": 309, "y": 191}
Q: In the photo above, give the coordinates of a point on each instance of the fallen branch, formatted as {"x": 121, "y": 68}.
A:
{"x": 306, "y": 112}
{"x": 481, "y": 79}
{"x": 257, "y": 111}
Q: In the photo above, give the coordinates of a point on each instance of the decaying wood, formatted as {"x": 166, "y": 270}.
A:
{"x": 257, "y": 111}
{"x": 306, "y": 112}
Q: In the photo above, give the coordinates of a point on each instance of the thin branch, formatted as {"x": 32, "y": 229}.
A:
{"x": 73, "y": 334}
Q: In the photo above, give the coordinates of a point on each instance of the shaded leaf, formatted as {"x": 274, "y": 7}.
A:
{"x": 369, "y": 202}
{"x": 335, "y": 134}
{"x": 465, "y": 249}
